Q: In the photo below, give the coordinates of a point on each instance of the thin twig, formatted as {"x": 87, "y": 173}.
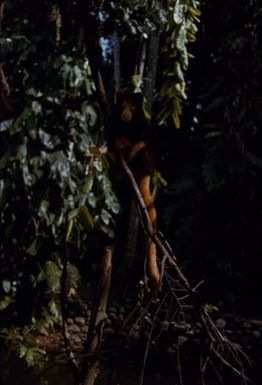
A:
{"x": 180, "y": 376}
{"x": 213, "y": 366}
{"x": 149, "y": 339}
{"x": 202, "y": 372}
{"x": 226, "y": 363}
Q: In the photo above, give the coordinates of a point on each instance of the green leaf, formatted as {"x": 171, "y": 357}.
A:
{"x": 137, "y": 83}
{"x": 17, "y": 124}
{"x": 53, "y": 309}
{"x": 254, "y": 160}
{"x": 91, "y": 200}
{"x": 22, "y": 351}
{"x": 30, "y": 354}
{"x": 91, "y": 114}
{"x": 179, "y": 72}
{"x": 52, "y": 274}
{"x": 108, "y": 231}
{"x": 88, "y": 184}
{"x": 73, "y": 214}
{"x": 21, "y": 152}
{"x": 45, "y": 138}
{"x": 5, "y": 125}
{"x": 181, "y": 39}
{"x": 178, "y": 14}
{"x": 105, "y": 217}
{"x": 5, "y": 302}
{"x": 176, "y": 119}
{"x": 6, "y": 286}
{"x": 209, "y": 308}
{"x": 194, "y": 11}
{"x": 2, "y": 187}
{"x": 213, "y": 134}
{"x": 164, "y": 114}
{"x": 86, "y": 217}
{"x": 33, "y": 248}
{"x": 69, "y": 230}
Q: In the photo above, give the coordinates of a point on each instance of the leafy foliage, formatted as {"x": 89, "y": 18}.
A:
{"x": 177, "y": 23}
{"x": 54, "y": 181}
{"x": 54, "y": 185}
{"x": 31, "y": 355}
{"x": 51, "y": 168}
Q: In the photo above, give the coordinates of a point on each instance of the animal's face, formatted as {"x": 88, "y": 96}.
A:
{"x": 122, "y": 143}
{"x": 127, "y": 111}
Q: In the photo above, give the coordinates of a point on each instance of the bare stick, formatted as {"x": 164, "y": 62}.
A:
{"x": 181, "y": 382}
{"x": 150, "y": 339}
{"x": 98, "y": 317}
{"x": 142, "y": 59}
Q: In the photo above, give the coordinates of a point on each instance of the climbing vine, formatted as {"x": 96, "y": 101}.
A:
{"x": 181, "y": 29}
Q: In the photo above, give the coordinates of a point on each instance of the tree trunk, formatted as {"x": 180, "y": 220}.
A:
{"x": 151, "y": 69}
{"x": 117, "y": 68}
{"x": 132, "y": 234}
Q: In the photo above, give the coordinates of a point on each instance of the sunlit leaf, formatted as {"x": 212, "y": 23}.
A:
{"x": 178, "y": 12}
{"x": 6, "y": 286}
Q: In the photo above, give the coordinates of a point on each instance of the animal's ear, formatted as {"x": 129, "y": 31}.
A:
{"x": 123, "y": 95}
{"x": 137, "y": 99}
{"x": 127, "y": 94}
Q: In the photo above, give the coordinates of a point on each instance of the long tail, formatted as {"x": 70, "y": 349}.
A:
{"x": 152, "y": 266}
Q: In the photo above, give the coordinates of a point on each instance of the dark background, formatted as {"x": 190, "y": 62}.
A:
{"x": 211, "y": 210}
